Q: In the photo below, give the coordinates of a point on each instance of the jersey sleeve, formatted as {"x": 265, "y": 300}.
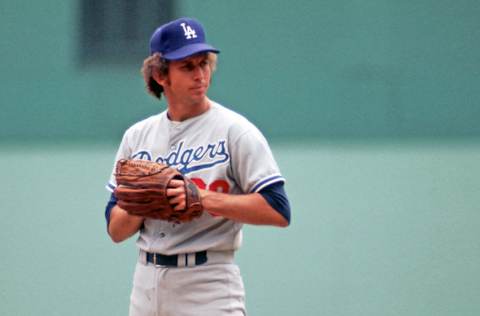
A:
{"x": 123, "y": 152}
{"x": 252, "y": 162}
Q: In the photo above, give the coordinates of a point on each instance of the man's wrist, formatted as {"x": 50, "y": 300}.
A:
{"x": 210, "y": 201}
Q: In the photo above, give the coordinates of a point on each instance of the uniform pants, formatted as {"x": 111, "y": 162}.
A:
{"x": 210, "y": 289}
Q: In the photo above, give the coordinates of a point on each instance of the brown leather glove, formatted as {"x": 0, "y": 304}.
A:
{"x": 142, "y": 191}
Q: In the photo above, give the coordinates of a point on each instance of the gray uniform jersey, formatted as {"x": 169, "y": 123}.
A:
{"x": 219, "y": 150}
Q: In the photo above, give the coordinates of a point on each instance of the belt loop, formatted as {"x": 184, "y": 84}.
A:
{"x": 191, "y": 259}
{"x": 182, "y": 260}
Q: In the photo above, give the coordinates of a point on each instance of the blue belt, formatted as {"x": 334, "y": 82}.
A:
{"x": 172, "y": 261}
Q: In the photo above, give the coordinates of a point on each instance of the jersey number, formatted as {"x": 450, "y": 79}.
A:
{"x": 217, "y": 186}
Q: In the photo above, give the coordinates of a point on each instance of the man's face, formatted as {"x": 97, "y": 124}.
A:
{"x": 188, "y": 79}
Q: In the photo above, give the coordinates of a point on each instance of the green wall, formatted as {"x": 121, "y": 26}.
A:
{"x": 325, "y": 69}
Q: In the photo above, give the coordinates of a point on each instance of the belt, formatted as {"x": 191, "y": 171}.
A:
{"x": 176, "y": 260}
{"x": 187, "y": 259}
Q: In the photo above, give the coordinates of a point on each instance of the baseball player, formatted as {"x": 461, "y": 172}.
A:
{"x": 187, "y": 268}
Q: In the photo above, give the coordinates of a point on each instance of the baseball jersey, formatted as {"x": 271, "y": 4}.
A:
{"x": 219, "y": 150}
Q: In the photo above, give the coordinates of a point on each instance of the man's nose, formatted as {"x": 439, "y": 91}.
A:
{"x": 198, "y": 73}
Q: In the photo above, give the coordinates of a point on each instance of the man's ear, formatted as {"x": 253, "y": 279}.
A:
{"x": 160, "y": 79}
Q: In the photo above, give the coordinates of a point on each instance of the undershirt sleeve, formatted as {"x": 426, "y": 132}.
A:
{"x": 108, "y": 209}
{"x": 276, "y": 196}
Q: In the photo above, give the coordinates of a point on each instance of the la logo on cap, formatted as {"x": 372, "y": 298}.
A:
{"x": 189, "y": 32}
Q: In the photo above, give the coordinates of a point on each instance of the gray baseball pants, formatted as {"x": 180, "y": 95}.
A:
{"x": 212, "y": 289}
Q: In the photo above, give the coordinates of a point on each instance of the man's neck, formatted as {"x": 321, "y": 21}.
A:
{"x": 181, "y": 112}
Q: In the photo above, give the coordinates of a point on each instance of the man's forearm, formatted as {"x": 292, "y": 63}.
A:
{"x": 246, "y": 208}
{"x": 123, "y": 225}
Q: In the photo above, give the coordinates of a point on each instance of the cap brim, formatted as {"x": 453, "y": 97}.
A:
{"x": 190, "y": 50}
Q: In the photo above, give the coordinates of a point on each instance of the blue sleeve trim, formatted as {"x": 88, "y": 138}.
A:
{"x": 266, "y": 182}
{"x": 110, "y": 187}
{"x": 276, "y": 196}
{"x": 108, "y": 209}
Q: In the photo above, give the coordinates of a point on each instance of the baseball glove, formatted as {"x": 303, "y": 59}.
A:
{"x": 142, "y": 191}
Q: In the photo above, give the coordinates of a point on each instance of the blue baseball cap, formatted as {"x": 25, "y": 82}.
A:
{"x": 179, "y": 39}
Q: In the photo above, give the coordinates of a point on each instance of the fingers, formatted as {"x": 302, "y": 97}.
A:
{"x": 176, "y": 197}
{"x": 176, "y": 183}
{"x": 175, "y": 188}
{"x": 176, "y": 194}
{"x": 178, "y": 202}
{"x": 172, "y": 193}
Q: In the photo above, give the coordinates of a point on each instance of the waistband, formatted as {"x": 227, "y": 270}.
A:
{"x": 186, "y": 259}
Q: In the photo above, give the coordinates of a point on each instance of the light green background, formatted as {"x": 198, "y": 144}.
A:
{"x": 379, "y": 229}
{"x": 372, "y": 108}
